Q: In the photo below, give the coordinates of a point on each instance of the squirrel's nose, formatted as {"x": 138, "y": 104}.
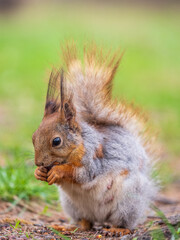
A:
{"x": 39, "y": 164}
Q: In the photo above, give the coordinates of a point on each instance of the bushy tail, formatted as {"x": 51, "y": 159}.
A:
{"x": 91, "y": 82}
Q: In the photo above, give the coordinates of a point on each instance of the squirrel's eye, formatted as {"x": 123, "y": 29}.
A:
{"x": 56, "y": 141}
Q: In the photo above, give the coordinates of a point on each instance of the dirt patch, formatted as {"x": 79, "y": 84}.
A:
{"x": 21, "y": 229}
{"x": 35, "y": 219}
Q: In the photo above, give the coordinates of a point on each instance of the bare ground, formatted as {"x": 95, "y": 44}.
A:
{"x": 35, "y": 220}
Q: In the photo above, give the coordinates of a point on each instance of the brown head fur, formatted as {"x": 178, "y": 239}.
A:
{"x": 59, "y": 122}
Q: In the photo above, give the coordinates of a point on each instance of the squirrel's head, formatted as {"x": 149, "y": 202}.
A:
{"x": 58, "y": 139}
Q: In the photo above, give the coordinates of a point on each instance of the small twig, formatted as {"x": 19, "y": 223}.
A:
{"x": 167, "y": 201}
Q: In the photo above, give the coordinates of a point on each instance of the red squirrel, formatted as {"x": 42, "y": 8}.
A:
{"x": 94, "y": 149}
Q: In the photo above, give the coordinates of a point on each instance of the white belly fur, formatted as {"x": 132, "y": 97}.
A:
{"x": 95, "y": 201}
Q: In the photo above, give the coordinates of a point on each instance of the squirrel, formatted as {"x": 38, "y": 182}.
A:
{"x": 95, "y": 149}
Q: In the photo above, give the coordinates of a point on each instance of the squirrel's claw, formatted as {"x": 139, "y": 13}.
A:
{"x": 40, "y": 175}
{"x": 50, "y": 172}
{"x": 54, "y": 175}
{"x": 51, "y": 179}
{"x": 43, "y": 169}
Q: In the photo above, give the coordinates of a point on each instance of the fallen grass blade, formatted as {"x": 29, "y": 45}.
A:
{"x": 59, "y": 234}
{"x": 165, "y": 220}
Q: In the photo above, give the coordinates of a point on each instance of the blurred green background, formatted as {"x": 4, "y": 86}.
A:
{"x": 30, "y": 40}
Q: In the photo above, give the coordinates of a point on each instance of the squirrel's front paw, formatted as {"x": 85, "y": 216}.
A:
{"x": 60, "y": 173}
{"x": 41, "y": 174}
{"x": 55, "y": 175}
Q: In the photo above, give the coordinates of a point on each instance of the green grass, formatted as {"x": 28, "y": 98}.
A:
{"x": 158, "y": 232}
{"x": 30, "y": 45}
{"x": 17, "y": 180}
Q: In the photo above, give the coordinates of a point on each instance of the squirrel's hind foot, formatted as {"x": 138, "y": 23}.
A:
{"x": 63, "y": 229}
{"x": 83, "y": 225}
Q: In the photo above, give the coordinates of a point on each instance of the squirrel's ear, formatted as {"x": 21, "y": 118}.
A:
{"x": 70, "y": 115}
{"x": 67, "y": 112}
{"x": 52, "y": 104}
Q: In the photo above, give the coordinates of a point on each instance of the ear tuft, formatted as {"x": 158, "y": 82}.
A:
{"x": 51, "y": 107}
{"x": 59, "y": 99}
{"x": 52, "y": 99}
